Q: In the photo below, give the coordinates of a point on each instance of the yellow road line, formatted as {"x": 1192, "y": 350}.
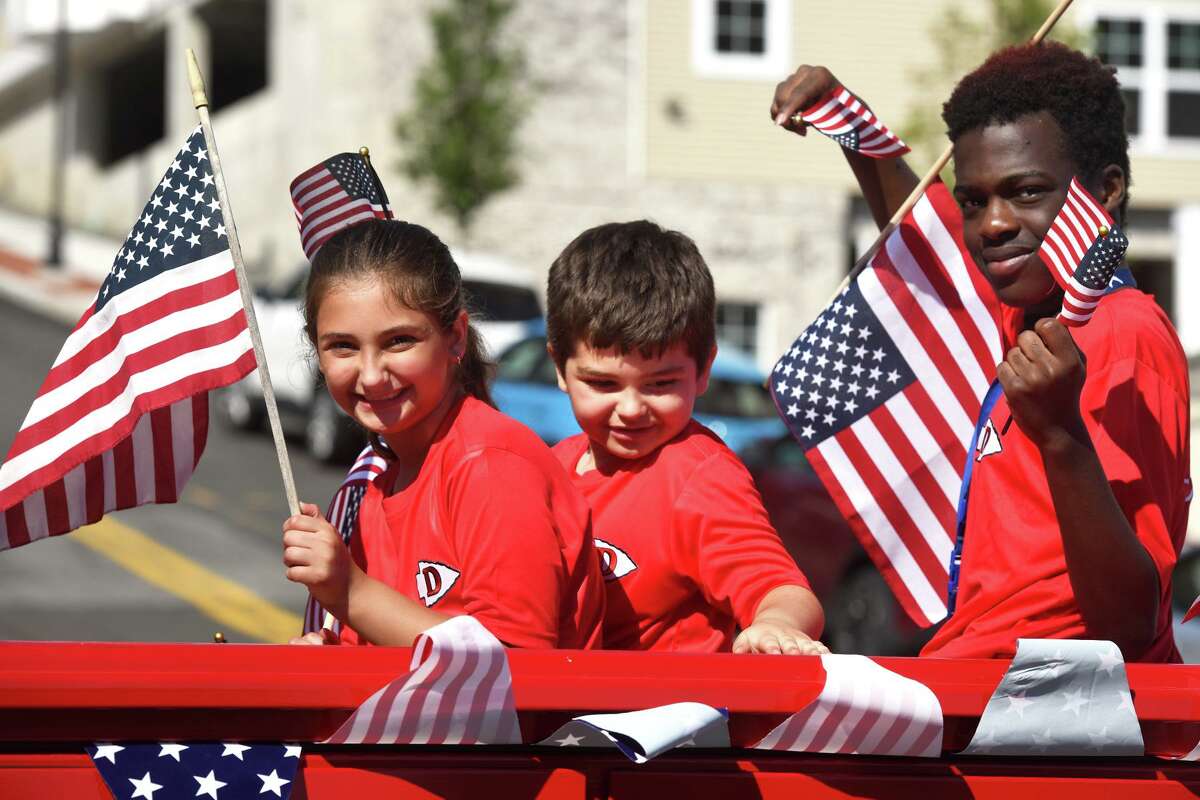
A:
{"x": 228, "y": 603}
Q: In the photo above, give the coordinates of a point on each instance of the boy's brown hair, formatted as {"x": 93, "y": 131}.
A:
{"x": 631, "y": 286}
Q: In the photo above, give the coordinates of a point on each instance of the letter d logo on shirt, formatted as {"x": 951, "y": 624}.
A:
{"x": 615, "y": 563}
{"x": 434, "y": 579}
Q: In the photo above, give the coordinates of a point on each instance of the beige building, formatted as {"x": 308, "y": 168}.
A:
{"x": 651, "y": 108}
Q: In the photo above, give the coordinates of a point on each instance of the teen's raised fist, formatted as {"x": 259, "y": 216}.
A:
{"x": 801, "y": 89}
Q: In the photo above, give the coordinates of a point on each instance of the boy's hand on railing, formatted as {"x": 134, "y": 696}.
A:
{"x": 774, "y": 638}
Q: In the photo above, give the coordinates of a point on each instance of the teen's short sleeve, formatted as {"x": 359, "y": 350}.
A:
{"x": 724, "y": 539}
{"x": 1141, "y": 439}
{"x": 504, "y": 533}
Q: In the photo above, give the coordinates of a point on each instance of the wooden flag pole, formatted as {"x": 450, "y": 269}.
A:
{"x": 200, "y": 100}
{"x": 931, "y": 175}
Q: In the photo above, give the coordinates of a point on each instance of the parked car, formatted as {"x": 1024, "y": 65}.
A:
{"x": 502, "y": 300}
{"x": 736, "y": 407}
{"x": 861, "y": 614}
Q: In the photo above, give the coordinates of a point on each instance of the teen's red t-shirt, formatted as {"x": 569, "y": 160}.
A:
{"x": 686, "y": 547}
{"x": 1014, "y": 581}
{"x": 491, "y": 527}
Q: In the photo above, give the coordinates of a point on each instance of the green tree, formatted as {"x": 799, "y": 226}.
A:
{"x": 961, "y": 40}
{"x": 461, "y": 132}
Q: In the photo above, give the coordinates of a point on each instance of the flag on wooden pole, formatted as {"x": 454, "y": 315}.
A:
{"x": 883, "y": 391}
{"x": 122, "y": 417}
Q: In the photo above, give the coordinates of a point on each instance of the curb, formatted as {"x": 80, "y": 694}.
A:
{"x": 33, "y": 285}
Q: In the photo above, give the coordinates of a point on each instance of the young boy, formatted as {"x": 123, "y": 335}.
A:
{"x": 687, "y": 550}
{"x": 1076, "y": 519}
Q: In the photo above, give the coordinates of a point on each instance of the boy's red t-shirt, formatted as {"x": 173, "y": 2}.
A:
{"x": 687, "y": 549}
{"x": 1014, "y": 581}
{"x": 491, "y": 527}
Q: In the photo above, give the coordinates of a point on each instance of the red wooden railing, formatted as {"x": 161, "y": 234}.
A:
{"x": 54, "y": 697}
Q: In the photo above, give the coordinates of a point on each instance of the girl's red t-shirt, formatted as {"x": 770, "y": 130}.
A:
{"x": 490, "y": 527}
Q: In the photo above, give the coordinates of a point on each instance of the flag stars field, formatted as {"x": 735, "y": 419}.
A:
{"x": 178, "y": 214}
{"x": 167, "y": 771}
{"x": 825, "y": 387}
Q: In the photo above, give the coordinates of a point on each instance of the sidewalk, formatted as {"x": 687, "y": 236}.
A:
{"x": 61, "y": 293}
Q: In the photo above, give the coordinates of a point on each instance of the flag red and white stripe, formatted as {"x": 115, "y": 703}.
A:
{"x": 1082, "y": 249}
{"x": 894, "y": 452}
{"x": 122, "y": 417}
{"x": 863, "y": 709}
{"x": 843, "y": 117}
{"x": 339, "y": 192}
{"x": 458, "y": 691}
{"x": 342, "y": 514}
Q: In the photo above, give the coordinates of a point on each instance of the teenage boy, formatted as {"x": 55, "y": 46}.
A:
{"x": 1075, "y": 521}
{"x": 688, "y": 552}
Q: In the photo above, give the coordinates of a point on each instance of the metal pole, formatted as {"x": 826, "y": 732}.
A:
{"x": 58, "y": 163}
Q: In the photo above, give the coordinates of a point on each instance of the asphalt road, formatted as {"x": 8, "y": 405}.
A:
{"x": 169, "y": 573}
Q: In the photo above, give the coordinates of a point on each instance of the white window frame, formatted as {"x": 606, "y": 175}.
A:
{"x": 775, "y": 60}
{"x": 1152, "y": 80}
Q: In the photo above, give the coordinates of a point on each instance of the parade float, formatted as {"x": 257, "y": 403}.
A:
{"x": 57, "y": 699}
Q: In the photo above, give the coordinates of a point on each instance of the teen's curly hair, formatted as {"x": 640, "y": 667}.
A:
{"x": 1079, "y": 91}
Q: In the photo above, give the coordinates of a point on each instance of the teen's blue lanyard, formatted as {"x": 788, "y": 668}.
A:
{"x": 1121, "y": 279}
{"x": 985, "y": 412}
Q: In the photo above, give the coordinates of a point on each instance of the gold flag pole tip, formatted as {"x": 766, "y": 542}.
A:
{"x": 196, "y": 81}
{"x": 219, "y": 637}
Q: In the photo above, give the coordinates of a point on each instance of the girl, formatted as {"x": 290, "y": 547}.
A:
{"x": 473, "y": 515}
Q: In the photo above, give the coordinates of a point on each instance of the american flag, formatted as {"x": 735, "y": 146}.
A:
{"x": 458, "y": 691}
{"x": 333, "y": 195}
{"x": 1082, "y": 249}
{"x": 122, "y": 417}
{"x": 173, "y": 771}
{"x": 841, "y": 116}
{"x": 342, "y": 514}
{"x": 1060, "y": 697}
{"x": 883, "y": 391}
{"x": 863, "y": 709}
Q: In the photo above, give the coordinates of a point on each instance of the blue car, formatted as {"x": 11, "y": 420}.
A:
{"x": 736, "y": 406}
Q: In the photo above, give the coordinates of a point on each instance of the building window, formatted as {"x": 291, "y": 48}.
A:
{"x": 737, "y": 324}
{"x": 1119, "y": 42}
{"x": 742, "y": 39}
{"x": 1133, "y": 111}
{"x": 1157, "y": 55}
{"x": 132, "y": 106}
{"x": 1183, "y": 45}
{"x": 237, "y": 31}
{"x": 741, "y": 26}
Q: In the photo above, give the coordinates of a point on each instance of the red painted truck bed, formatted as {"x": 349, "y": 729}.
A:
{"x": 56, "y": 697}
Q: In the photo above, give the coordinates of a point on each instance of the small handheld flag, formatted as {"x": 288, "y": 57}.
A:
{"x": 335, "y": 194}
{"x": 841, "y": 116}
{"x": 1082, "y": 250}
{"x": 343, "y": 515}
{"x": 122, "y": 417}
